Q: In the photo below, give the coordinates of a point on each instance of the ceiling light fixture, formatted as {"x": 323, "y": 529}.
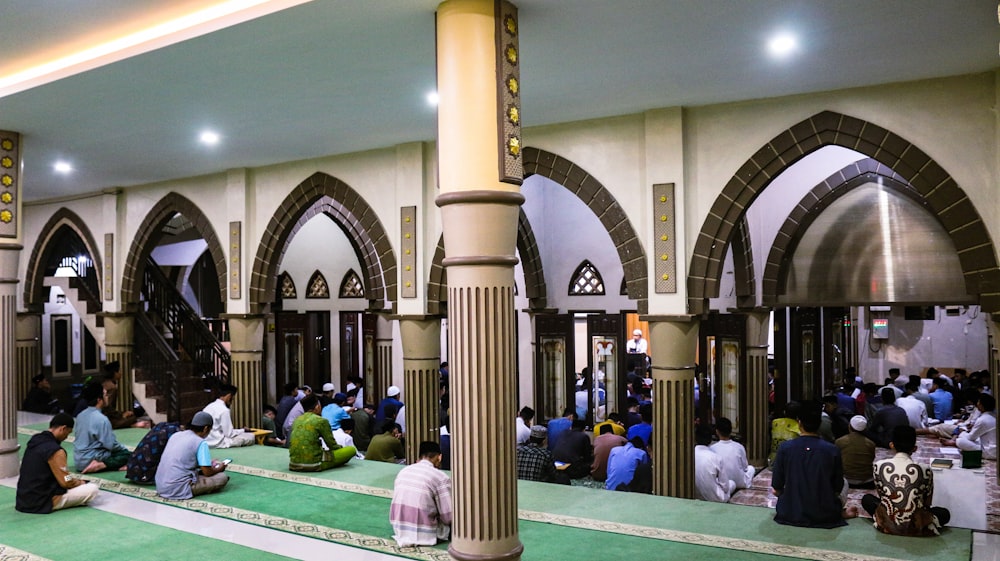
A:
{"x": 209, "y": 138}
{"x": 62, "y": 167}
{"x": 782, "y": 45}
{"x": 433, "y": 98}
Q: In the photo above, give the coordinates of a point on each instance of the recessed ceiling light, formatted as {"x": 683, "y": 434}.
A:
{"x": 433, "y": 98}
{"x": 782, "y": 45}
{"x": 62, "y": 167}
{"x": 210, "y": 138}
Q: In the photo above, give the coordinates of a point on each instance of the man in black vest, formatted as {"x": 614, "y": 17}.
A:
{"x": 45, "y": 483}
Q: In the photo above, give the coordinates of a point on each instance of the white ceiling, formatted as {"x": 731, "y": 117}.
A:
{"x": 337, "y": 76}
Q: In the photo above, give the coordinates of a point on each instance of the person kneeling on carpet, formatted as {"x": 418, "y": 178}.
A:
{"x": 312, "y": 446}
{"x": 420, "y": 512}
{"x": 186, "y": 467}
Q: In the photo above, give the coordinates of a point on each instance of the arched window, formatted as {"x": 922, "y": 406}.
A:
{"x": 287, "y": 286}
{"x": 317, "y": 286}
{"x": 586, "y": 281}
{"x": 351, "y": 286}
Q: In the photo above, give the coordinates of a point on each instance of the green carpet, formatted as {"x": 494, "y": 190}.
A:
{"x": 79, "y": 534}
{"x": 594, "y": 524}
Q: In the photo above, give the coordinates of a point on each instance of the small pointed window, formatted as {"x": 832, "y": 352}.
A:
{"x": 351, "y": 287}
{"x": 318, "y": 287}
{"x": 287, "y": 286}
{"x": 586, "y": 281}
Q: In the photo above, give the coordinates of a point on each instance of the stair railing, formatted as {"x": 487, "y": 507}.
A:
{"x": 192, "y": 338}
{"x": 156, "y": 359}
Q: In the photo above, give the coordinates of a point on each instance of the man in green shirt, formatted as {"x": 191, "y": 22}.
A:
{"x": 310, "y": 432}
{"x": 388, "y": 446}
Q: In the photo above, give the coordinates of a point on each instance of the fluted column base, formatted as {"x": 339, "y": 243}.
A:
{"x": 480, "y": 230}
{"x": 9, "y": 464}
{"x": 246, "y": 336}
{"x": 756, "y": 424}
{"x": 674, "y": 342}
{"x": 29, "y": 351}
{"x": 421, "y": 359}
{"x": 119, "y": 337}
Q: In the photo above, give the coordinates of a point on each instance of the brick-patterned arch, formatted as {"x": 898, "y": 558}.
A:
{"x": 35, "y": 293}
{"x": 940, "y": 194}
{"x": 531, "y": 264}
{"x": 745, "y": 279}
{"x": 604, "y": 206}
{"x": 324, "y": 194}
{"x": 149, "y": 234}
{"x": 818, "y": 199}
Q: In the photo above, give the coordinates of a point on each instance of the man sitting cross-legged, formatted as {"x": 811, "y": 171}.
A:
{"x": 44, "y": 484}
{"x": 186, "y": 467}
{"x": 310, "y": 432}
{"x": 808, "y": 477}
{"x": 905, "y": 488}
{"x": 96, "y": 448}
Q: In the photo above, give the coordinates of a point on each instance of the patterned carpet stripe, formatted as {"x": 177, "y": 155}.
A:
{"x": 388, "y": 545}
{"x": 8, "y": 553}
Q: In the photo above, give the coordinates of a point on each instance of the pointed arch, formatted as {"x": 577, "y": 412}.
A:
{"x": 35, "y": 293}
{"x": 287, "y": 285}
{"x": 938, "y": 192}
{"x": 149, "y": 234}
{"x": 586, "y": 280}
{"x": 317, "y": 287}
{"x": 351, "y": 286}
{"x": 605, "y": 207}
{"x": 324, "y": 194}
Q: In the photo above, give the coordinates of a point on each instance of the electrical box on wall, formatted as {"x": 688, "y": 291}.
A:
{"x": 880, "y": 328}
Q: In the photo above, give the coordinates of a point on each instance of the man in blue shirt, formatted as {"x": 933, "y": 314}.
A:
{"x": 560, "y": 425}
{"x": 942, "y": 399}
{"x": 186, "y": 468}
{"x": 808, "y": 477}
{"x": 335, "y": 412}
{"x": 96, "y": 448}
{"x": 630, "y": 469}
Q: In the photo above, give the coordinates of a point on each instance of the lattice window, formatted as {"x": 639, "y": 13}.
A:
{"x": 351, "y": 286}
{"x": 317, "y": 286}
{"x": 287, "y": 286}
{"x": 586, "y": 281}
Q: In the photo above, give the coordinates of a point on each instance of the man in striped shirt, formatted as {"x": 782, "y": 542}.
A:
{"x": 420, "y": 512}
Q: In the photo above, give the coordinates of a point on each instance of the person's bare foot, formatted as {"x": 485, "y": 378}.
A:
{"x": 94, "y": 465}
{"x": 849, "y": 512}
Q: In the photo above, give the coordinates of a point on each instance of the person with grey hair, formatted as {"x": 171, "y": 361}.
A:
{"x": 186, "y": 468}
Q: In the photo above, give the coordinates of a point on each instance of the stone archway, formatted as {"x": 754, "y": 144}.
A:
{"x": 938, "y": 192}
{"x": 34, "y": 287}
{"x": 325, "y": 194}
{"x": 149, "y": 233}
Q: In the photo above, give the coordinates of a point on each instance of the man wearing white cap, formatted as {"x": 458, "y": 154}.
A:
{"x": 186, "y": 468}
{"x": 391, "y": 401}
{"x": 636, "y": 345}
{"x": 857, "y": 453}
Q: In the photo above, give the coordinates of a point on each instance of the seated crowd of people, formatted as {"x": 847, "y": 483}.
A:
{"x": 819, "y": 451}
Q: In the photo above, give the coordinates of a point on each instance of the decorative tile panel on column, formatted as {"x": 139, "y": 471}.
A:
{"x": 235, "y": 262}
{"x": 508, "y": 94}
{"x": 408, "y": 246}
{"x": 109, "y": 267}
{"x": 10, "y": 185}
{"x": 664, "y": 244}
